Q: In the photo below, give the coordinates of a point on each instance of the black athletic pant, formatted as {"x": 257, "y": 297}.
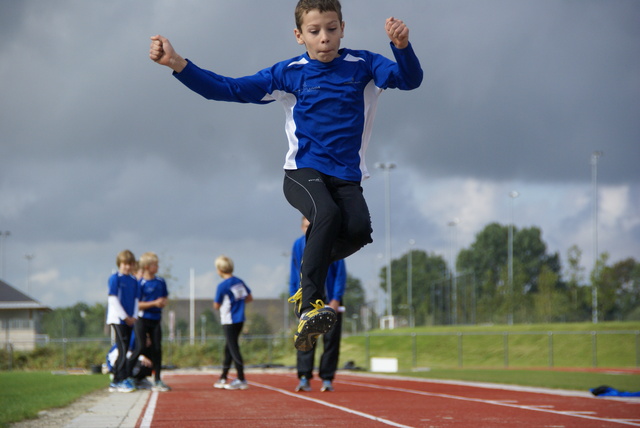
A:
{"x": 329, "y": 358}
{"x": 340, "y": 224}
{"x": 152, "y": 328}
{"x": 122, "y": 368}
{"x": 232, "y": 350}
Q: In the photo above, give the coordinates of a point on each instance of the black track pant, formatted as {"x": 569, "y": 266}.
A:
{"x": 122, "y": 368}
{"x": 153, "y": 330}
{"x": 232, "y": 350}
{"x": 329, "y": 358}
{"x": 340, "y": 224}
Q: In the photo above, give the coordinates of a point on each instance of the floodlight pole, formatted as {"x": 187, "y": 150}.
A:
{"x": 454, "y": 282}
{"x": 594, "y": 286}
{"x": 3, "y": 236}
{"x": 192, "y": 310}
{"x": 512, "y": 195}
{"x": 386, "y": 167}
{"x": 410, "y": 282}
{"x": 29, "y": 257}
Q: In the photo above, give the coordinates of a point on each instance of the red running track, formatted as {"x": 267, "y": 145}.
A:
{"x": 361, "y": 400}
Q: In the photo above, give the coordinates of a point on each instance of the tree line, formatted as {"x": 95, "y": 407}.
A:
{"x": 486, "y": 286}
{"x": 489, "y": 286}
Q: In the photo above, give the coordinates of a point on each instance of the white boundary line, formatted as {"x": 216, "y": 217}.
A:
{"x": 151, "y": 409}
{"x": 487, "y": 385}
{"x": 334, "y": 406}
{"x": 503, "y": 386}
{"x": 492, "y": 402}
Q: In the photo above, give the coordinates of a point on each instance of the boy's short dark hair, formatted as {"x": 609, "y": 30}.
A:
{"x": 306, "y": 6}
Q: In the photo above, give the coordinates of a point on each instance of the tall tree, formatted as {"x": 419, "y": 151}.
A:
{"x": 579, "y": 294}
{"x": 353, "y": 300}
{"x": 618, "y": 289}
{"x": 79, "y": 320}
{"x": 488, "y": 260}
{"x": 429, "y": 286}
{"x": 550, "y": 303}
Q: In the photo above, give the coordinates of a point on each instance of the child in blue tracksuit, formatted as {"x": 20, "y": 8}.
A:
{"x": 142, "y": 368}
{"x": 231, "y": 296}
{"x": 122, "y": 308}
{"x": 329, "y": 96}
{"x": 153, "y": 297}
{"x": 335, "y": 288}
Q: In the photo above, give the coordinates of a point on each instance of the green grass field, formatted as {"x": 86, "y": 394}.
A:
{"x": 24, "y": 394}
{"x": 614, "y": 344}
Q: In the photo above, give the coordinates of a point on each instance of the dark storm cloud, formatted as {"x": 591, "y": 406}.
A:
{"x": 528, "y": 90}
{"x": 101, "y": 149}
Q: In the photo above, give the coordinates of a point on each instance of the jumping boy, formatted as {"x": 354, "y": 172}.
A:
{"x": 122, "y": 308}
{"x": 153, "y": 297}
{"x": 329, "y": 96}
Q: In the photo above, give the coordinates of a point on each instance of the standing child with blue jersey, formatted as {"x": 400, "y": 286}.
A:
{"x": 335, "y": 287}
{"x": 153, "y": 297}
{"x": 231, "y": 296}
{"x": 122, "y": 309}
{"x": 329, "y": 95}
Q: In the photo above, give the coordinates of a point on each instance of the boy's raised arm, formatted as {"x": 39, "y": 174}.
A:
{"x": 398, "y": 32}
{"x": 162, "y": 52}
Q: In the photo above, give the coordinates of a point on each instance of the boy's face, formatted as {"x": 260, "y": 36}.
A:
{"x": 305, "y": 225}
{"x": 152, "y": 268}
{"x": 125, "y": 268}
{"x": 320, "y": 33}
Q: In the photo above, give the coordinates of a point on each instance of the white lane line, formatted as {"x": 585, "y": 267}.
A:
{"x": 334, "y": 406}
{"x": 492, "y": 402}
{"x": 151, "y": 409}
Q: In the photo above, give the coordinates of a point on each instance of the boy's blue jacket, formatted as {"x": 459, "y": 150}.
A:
{"x": 329, "y": 107}
{"x": 336, "y": 281}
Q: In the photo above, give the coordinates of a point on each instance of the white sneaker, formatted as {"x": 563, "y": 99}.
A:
{"x": 326, "y": 386}
{"x": 303, "y": 385}
{"x": 143, "y": 383}
{"x": 160, "y": 386}
{"x": 237, "y": 384}
{"x": 220, "y": 383}
{"x": 126, "y": 386}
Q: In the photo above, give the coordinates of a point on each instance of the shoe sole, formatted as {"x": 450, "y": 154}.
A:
{"x": 313, "y": 327}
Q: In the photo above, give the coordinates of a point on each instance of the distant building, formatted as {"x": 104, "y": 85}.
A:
{"x": 20, "y": 317}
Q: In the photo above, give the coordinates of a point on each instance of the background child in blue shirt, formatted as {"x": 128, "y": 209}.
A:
{"x": 329, "y": 95}
{"x": 335, "y": 287}
{"x": 153, "y": 297}
{"x": 122, "y": 308}
{"x": 231, "y": 296}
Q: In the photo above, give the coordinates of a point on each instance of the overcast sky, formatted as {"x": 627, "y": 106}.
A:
{"x": 102, "y": 150}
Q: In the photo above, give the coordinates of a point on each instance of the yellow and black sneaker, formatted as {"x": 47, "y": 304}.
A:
{"x": 296, "y": 299}
{"x": 313, "y": 323}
